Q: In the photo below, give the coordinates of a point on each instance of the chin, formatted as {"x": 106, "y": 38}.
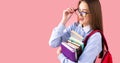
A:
{"x": 81, "y": 22}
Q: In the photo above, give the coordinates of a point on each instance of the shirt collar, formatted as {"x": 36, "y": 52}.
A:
{"x": 86, "y": 28}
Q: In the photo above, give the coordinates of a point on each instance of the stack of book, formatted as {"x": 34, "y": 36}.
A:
{"x": 73, "y": 48}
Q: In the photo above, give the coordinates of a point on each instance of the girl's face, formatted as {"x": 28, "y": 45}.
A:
{"x": 84, "y": 16}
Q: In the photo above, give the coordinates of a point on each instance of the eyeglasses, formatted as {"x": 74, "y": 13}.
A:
{"x": 81, "y": 13}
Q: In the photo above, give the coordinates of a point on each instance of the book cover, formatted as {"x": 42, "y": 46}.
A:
{"x": 71, "y": 51}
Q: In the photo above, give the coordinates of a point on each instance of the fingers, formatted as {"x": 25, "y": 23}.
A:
{"x": 70, "y": 10}
{"x": 67, "y": 14}
{"x": 58, "y": 50}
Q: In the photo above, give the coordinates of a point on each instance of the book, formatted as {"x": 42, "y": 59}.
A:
{"x": 77, "y": 38}
{"x": 76, "y": 35}
{"x": 70, "y": 51}
{"x": 74, "y": 40}
{"x": 73, "y": 43}
{"x": 73, "y": 48}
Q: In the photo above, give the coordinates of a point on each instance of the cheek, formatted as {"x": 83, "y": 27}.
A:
{"x": 87, "y": 19}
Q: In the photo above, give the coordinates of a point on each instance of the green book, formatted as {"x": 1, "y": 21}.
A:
{"x": 72, "y": 39}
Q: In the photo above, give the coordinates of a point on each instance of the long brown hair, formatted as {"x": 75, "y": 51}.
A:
{"x": 95, "y": 10}
{"x": 96, "y": 22}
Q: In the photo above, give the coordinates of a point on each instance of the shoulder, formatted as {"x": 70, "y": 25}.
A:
{"x": 97, "y": 34}
{"x": 96, "y": 37}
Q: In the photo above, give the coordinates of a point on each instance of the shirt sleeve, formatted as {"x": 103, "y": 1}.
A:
{"x": 60, "y": 34}
{"x": 91, "y": 51}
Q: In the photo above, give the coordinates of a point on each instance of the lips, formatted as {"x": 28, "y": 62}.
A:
{"x": 80, "y": 19}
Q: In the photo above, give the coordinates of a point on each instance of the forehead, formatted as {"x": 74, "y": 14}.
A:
{"x": 83, "y": 6}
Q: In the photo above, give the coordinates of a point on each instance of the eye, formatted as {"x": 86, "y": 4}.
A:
{"x": 83, "y": 13}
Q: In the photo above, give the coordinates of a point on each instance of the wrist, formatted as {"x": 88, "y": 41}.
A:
{"x": 63, "y": 21}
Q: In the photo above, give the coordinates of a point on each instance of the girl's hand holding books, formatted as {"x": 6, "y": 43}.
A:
{"x": 59, "y": 50}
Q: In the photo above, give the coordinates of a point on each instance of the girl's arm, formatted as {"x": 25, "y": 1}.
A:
{"x": 60, "y": 34}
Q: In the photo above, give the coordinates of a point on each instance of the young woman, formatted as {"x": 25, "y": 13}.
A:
{"x": 89, "y": 19}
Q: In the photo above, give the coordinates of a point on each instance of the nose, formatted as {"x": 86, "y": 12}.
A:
{"x": 80, "y": 18}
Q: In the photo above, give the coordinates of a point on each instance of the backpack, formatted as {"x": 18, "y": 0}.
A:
{"x": 105, "y": 55}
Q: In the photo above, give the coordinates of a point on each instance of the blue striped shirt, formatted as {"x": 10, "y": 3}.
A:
{"x": 92, "y": 49}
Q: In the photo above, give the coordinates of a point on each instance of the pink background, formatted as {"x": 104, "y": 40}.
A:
{"x": 26, "y": 25}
